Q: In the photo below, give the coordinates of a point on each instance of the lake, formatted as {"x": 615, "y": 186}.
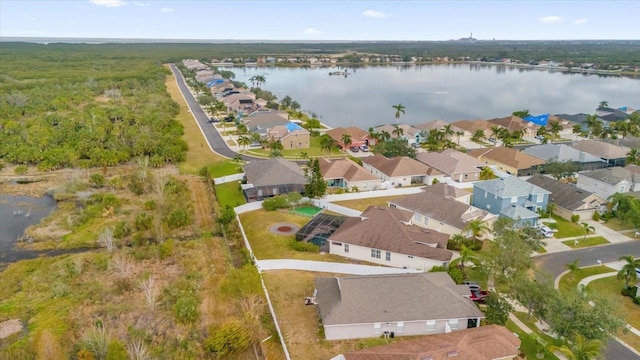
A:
{"x": 448, "y": 92}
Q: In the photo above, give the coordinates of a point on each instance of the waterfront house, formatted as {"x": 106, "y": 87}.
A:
{"x": 563, "y": 152}
{"x": 409, "y": 133}
{"x": 370, "y": 306}
{"x": 290, "y": 135}
{"x": 459, "y": 166}
{"x": 515, "y": 123}
{"x": 358, "y": 136}
{"x": 614, "y": 155}
{"x": 401, "y": 170}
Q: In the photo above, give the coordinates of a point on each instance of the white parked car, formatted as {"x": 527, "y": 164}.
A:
{"x": 546, "y": 231}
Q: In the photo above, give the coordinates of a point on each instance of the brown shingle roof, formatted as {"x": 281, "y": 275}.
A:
{"x": 355, "y": 132}
{"x": 450, "y": 162}
{"x": 473, "y": 125}
{"x": 344, "y": 168}
{"x": 437, "y": 202}
{"x": 390, "y": 229}
{"x": 383, "y": 298}
{"x": 513, "y": 123}
{"x": 397, "y": 166}
{"x": 437, "y": 125}
{"x": 482, "y": 343}
{"x": 508, "y": 156}
{"x": 601, "y": 149}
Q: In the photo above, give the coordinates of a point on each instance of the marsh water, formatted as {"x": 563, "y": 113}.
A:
{"x": 450, "y": 92}
{"x": 16, "y": 214}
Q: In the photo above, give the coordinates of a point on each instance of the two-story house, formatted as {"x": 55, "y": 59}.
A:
{"x": 606, "y": 182}
{"x": 511, "y": 197}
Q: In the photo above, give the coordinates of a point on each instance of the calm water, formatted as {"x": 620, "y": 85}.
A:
{"x": 447, "y": 92}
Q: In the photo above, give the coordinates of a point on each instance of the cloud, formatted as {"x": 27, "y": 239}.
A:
{"x": 551, "y": 19}
{"x": 374, "y": 14}
{"x": 167, "y": 10}
{"x": 580, "y": 21}
{"x": 108, "y": 3}
{"x": 311, "y": 31}
{"x": 140, "y": 3}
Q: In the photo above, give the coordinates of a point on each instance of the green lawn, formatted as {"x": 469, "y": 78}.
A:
{"x": 612, "y": 286}
{"x": 225, "y": 168}
{"x": 229, "y": 194}
{"x": 531, "y": 324}
{"x": 565, "y": 228}
{"x": 313, "y": 150}
{"x": 570, "y": 282}
{"x": 590, "y": 241}
{"x": 617, "y": 225}
{"x": 529, "y": 346}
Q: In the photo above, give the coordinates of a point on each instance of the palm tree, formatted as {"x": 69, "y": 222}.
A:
{"x": 346, "y": 141}
{"x": 478, "y": 135}
{"x": 326, "y": 143}
{"x": 581, "y": 348}
{"x": 603, "y": 104}
{"x": 477, "y": 228}
{"x": 260, "y": 80}
{"x": 507, "y": 142}
{"x": 521, "y": 113}
{"x": 244, "y": 140}
{"x": 253, "y": 80}
{"x": 458, "y": 134}
{"x": 466, "y": 256}
{"x": 304, "y": 155}
{"x": 373, "y": 134}
{"x": 447, "y": 131}
{"x": 448, "y": 144}
{"x": 633, "y": 156}
{"x": 592, "y": 124}
{"x": 399, "y": 110}
{"x": 554, "y": 129}
{"x": 551, "y": 207}
{"x": 572, "y": 267}
{"x": 628, "y": 271}
{"x": 237, "y": 158}
{"x": 276, "y": 145}
{"x": 384, "y": 135}
{"x": 487, "y": 173}
{"x": 587, "y": 228}
{"x": 397, "y": 131}
{"x": 577, "y": 129}
{"x": 495, "y": 132}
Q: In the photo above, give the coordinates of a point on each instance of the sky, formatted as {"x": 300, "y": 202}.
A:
{"x": 321, "y": 20}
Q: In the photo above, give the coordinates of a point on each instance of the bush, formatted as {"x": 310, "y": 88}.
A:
{"x": 97, "y": 180}
{"x": 150, "y": 205}
{"x": 186, "y": 309}
{"x": 21, "y": 169}
{"x": 166, "y": 249}
{"x": 226, "y": 215}
{"x": 121, "y": 230}
{"x": 596, "y": 216}
{"x": 228, "y": 338}
{"x": 143, "y": 221}
{"x": 456, "y": 274}
{"x": 304, "y": 246}
{"x": 276, "y": 202}
{"x": 178, "y": 218}
{"x": 575, "y": 218}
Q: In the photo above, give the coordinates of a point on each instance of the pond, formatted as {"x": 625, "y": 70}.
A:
{"x": 16, "y": 214}
{"x": 449, "y": 92}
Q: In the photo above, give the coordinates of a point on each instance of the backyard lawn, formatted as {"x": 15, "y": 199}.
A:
{"x": 565, "y": 228}
{"x": 363, "y": 204}
{"x": 582, "y": 243}
{"x": 225, "y": 168}
{"x": 229, "y": 194}
{"x": 266, "y": 245}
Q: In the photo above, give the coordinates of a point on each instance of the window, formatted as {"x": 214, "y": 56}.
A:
{"x": 453, "y": 324}
{"x": 377, "y": 328}
{"x": 388, "y": 256}
{"x": 621, "y": 189}
{"x": 431, "y": 325}
{"x": 346, "y": 248}
{"x": 336, "y": 243}
{"x": 514, "y": 199}
{"x": 375, "y": 253}
{"x": 540, "y": 198}
{"x": 418, "y": 218}
{"x": 486, "y": 193}
{"x": 400, "y": 326}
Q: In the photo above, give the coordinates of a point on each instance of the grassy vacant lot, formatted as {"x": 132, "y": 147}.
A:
{"x": 299, "y": 323}
{"x": 229, "y": 194}
{"x": 266, "y": 245}
{"x": 225, "y": 168}
{"x": 617, "y": 225}
{"x": 313, "y": 150}
{"x": 570, "y": 283}
{"x": 565, "y": 228}
{"x": 363, "y": 204}
{"x": 590, "y": 241}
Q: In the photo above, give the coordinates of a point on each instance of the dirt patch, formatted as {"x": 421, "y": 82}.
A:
{"x": 201, "y": 202}
{"x": 10, "y": 327}
{"x": 284, "y": 228}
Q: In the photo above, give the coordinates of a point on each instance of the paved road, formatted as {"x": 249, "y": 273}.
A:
{"x": 555, "y": 264}
{"x": 215, "y": 140}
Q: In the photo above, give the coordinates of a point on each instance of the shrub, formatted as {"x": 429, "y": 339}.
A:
{"x": 575, "y": 218}
{"x": 226, "y": 215}
{"x": 121, "y": 230}
{"x": 228, "y": 338}
{"x": 136, "y": 185}
{"x": 1, "y": 165}
{"x": 438, "y": 269}
{"x": 21, "y": 169}
{"x": 150, "y": 205}
{"x": 456, "y": 274}
{"x": 178, "y": 218}
{"x": 97, "y": 180}
{"x": 624, "y": 291}
{"x": 276, "y": 202}
{"x": 596, "y": 216}
{"x": 304, "y": 246}
{"x": 116, "y": 351}
{"x": 143, "y": 221}
{"x": 186, "y": 309}
{"x": 166, "y": 249}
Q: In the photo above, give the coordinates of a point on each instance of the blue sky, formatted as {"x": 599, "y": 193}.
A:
{"x": 321, "y": 20}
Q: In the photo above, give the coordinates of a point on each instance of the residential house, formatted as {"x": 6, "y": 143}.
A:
{"x": 606, "y": 182}
{"x": 580, "y": 118}
{"x": 474, "y": 125}
{"x": 358, "y": 136}
{"x": 489, "y": 342}
{"x": 613, "y": 154}
{"x": 545, "y": 120}
{"x": 353, "y": 307}
{"x": 459, "y": 166}
{"x": 290, "y": 135}
{"x": 609, "y": 115}
{"x": 260, "y": 121}
{"x": 240, "y": 102}
{"x": 267, "y": 178}
{"x": 409, "y": 133}
{"x": 515, "y": 123}
{"x": 460, "y": 134}
{"x": 386, "y": 236}
{"x": 347, "y": 174}
{"x": 563, "y": 152}
{"x": 509, "y": 160}
{"x": 511, "y": 197}
{"x": 401, "y": 170}
{"x": 569, "y": 199}
{"x": 442, "y": 208}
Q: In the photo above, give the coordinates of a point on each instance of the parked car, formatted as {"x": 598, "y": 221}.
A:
{"x": 473, "y": 286}
{"x": 546, "y": 231}
{"x": 415, "y": 145}
{"x": 493, "y": 140}
{"x": 214, "y": 120}
{"x": 364, "y": 148}
{"x": 479, "y": 296}
{"x": 354, "y": 149}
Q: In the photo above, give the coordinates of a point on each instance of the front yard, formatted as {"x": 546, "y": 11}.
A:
{"x": 565, "y": 228}
{"x": 582, "y": 243}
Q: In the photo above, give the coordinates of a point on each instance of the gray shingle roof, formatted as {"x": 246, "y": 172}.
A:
{"x": 613, "y": 175}
{"x": 560, "y": 152}
{"x": 564, "y": 195}
{"x": 276, "y": 171}
{"x": 384, "y": 298}
{"x": 509, "y": 187}
{"x": 518, "y": 212}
